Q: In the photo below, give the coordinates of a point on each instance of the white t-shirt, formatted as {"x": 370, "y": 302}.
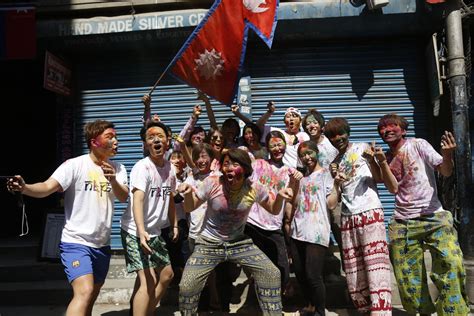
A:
{"x": 88, "y": 200}
{"x": 158, "y": 183}
{"x": 196, "y": 217}
{"x": 311, "y": 220}
{"x": 327, "y": 153}
{"x": 290, "y": 158}
{"x": 359, "y": 193}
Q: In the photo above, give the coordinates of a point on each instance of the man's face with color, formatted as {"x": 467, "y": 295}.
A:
{"x": 157, "y": 141}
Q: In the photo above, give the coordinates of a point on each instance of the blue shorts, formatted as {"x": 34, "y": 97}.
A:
{"x": 79, "y": 260}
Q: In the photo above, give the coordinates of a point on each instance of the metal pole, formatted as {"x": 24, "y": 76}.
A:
{"x": 460, "y": 113}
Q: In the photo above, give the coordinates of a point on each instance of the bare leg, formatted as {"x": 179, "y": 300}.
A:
{"x": 85, "y": 293}
{"x": 166, "y": 276}
{"x": 144, "y": 297}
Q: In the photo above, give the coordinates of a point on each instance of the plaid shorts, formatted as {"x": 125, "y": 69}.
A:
{"x": 136, "y": 259}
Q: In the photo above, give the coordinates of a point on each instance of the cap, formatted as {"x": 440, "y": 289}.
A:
{"x": 292, "y": 110}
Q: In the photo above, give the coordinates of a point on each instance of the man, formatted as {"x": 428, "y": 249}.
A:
{"x": 90, "y": 182}
{"x": 420, "y": 222}
{"x": 151, "y": 207}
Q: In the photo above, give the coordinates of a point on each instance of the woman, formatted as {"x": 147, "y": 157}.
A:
{"x": 229, "y": 198}
{"x": 251, "y": 136}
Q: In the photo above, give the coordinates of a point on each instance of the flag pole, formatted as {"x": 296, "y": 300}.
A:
{"x": 157, "y": 81}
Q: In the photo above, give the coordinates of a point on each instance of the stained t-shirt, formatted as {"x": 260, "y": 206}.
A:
{"x": 311, "y": 220}
{"x": 274, "y": 179}
{"x": 359, "y": 193}
{"x": 327, "y": 153}
{"x": 227, "y": 212}
{"x": 413, "y": 167}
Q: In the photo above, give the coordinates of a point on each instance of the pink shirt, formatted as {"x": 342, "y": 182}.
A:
{"x": 413, "y": 167}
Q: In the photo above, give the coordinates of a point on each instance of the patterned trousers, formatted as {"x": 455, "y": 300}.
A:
{"x": 366, "y": 261}
{"x": 208, "y": 254}
{"x": 408, "y": 239}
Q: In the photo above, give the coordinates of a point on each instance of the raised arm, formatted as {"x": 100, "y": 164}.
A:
{"x": 236, "y": 110}
{"x": 188, "y": 128}
{"x": 185, "y": 151}
{"x": 373, "y": 166}
{"x": 389, "y": 179}
{"x": 209, "y": 110}
{"x": 36, "y": 190}
{"x": 448, "y": 145}
{"x": 264, "y": 118}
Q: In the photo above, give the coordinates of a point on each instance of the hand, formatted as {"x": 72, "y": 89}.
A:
{"x": 380, "y": 155}
{"x": 235, "y": 108}
{"x": 333, "y": 169}
{"x": 448, "y": 143}
{"x": 16, "y": 184}
{"x": 339, "y": 179}
{"x": 286, "y": 193}
{"x": 184, "y": 188}
{"x": 175, "y": 234}
{"x": 146, "y": 99}
{"x": 197, "y": 110}
{"x": 271, "y": 107}
{"x": 155, "y": 118}
{"x": 203, "y": 97}
{"x": 295, "y": 174}
{"x": 369, "y": 152}
{"x": 109, "y": 171}
{"x": 144, "y": 239}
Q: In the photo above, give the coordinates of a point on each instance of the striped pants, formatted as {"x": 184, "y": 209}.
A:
{"x": 208, "y": 254}
{"x": 408, "y": 239}
{"x": 366, "y": 261}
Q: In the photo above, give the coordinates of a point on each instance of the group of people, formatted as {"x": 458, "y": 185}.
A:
{"x": 200, "y": 204}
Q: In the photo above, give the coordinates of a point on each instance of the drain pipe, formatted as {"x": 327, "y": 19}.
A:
{"x": 460, "y": 113}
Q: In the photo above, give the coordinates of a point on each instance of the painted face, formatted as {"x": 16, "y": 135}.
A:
{"x": 203, "y": 163}
{"x": 250, "y": 137}
{"x": 340, "y": 142}
{"x": 233, "y": 172}
{"x": 107, "y": 141}
{"x": 156, "y": 140}
{"x": 198, "y": 138}
{"x": 178, "y": 162}
{"x": 292, "y": 123}
{"x": 313, "y": 127}
{"x": 392, "y": 133}
{"x": 217, "y": 141}
{"x": 277, "y": 148}
{"x": 308, "y": 157}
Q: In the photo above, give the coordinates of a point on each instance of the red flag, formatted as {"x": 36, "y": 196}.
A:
{"x": 212, "y": 57}
{"x": 435, "y": 1}
{"x": 17, "y": 33}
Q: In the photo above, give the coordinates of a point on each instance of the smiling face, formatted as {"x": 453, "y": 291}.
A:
{"x": 216, "y": 141}
{"x": 177, "y": 160}
{"x": 392, "y": 133}
{"x": 308, "y": 156}
{"x": 156, "y": 140}
{"x": 203, "y": 163}
{"x": 340, "y": 142}
{"x": 277, "y": 149}
{"x": 233, "y": 172}
{"x": 313, "y": 128}
{"x": 292, "y": 123}
{"x": 197, "y": 138}
{"x": 106, "y": 143}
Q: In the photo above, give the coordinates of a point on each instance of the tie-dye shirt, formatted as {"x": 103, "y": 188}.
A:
{"x": 359, "y": 193}
{"x": 413, "y": 167}
{"x": 311, "y": 220}
{"x": 327, "y": 153}
{"x": 274, "y": 179}
{"x": 227, "y": 212}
